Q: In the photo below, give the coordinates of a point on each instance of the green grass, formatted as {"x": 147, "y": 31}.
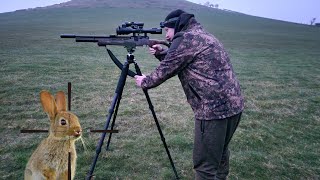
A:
{"x": 276, "y": 62}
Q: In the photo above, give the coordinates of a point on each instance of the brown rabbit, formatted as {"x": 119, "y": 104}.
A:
{"x": 50, "y": 159}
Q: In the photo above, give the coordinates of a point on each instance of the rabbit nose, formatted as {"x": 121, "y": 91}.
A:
{"x": 77, "y": 132}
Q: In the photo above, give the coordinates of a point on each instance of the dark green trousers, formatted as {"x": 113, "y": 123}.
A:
{"x": 210, "y": 152}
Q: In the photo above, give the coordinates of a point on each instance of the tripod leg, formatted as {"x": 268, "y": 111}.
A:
{"x": 113, "y": 121}
{"x": 118, "y": 93}
{"x": 160, "y": 132}
{"x": 157, "y": 123}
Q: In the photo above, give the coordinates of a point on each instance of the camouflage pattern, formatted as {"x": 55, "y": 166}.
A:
{"x": 205, "y": 72}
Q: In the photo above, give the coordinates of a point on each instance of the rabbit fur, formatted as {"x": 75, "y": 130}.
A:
{"x": 50, "y": 160}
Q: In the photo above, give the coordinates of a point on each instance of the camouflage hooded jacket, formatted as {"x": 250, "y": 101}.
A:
{"x": 205, "y": 72}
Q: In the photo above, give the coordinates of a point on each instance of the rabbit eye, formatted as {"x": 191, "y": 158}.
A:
{"x": 63, "y": 122}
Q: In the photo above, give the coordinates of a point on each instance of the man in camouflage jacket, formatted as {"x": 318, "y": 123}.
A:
{"x": 211, "y": 87}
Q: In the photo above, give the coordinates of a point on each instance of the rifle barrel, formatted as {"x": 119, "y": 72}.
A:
{"x": 67, "y": 36}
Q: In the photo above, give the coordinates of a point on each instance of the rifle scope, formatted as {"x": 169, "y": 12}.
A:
{"x": 129, "y": 30}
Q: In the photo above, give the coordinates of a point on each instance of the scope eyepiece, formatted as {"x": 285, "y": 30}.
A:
{"x": 162, "y": 24}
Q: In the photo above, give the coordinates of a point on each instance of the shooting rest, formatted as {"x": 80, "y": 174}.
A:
{"x": 116, "y": 102}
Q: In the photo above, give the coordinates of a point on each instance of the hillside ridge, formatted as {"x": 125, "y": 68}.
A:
{"x": 161, "y": 4}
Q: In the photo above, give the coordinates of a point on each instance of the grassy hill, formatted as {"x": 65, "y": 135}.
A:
{"x": 276, "y": 62}
{"x": 163, "y": 4}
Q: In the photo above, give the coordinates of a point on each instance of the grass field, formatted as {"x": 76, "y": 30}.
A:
{"x": 276, "y": 62}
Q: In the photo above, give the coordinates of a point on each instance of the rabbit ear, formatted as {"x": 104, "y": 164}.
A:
{"x": 61, "y": 101}
{"x": 48, "y": 103}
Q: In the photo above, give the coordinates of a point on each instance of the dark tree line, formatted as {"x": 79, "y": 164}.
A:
{"x": 208, "y": 4}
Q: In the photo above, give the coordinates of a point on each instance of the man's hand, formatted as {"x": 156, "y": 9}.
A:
{"x": 139, "y": 79}
{"x": 155, "y": 49}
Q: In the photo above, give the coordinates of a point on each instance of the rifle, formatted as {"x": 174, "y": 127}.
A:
{"x": 126, "y": 41}
{"x": 129, "y": 42}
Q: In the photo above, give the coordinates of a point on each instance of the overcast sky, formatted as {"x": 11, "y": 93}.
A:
{"x": 287, "y": 10}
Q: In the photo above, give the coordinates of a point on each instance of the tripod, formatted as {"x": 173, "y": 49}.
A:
{"x": 116, "y": 102}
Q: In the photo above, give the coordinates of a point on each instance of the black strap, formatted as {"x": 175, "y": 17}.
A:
{"x": 119, "y": 64}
